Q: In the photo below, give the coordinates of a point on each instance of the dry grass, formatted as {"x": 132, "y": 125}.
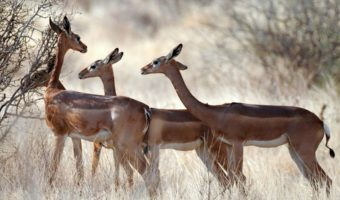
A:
{"x": 271, "y": 174}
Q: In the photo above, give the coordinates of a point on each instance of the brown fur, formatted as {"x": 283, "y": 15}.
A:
{"x": 168, "y": 127}
{"x": 69, "y": 112}
{"x": 239, "y": 123}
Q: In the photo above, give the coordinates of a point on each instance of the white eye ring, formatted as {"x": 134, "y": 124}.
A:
{"x": 155, "y": 63}
{"x": 92, "y": 67}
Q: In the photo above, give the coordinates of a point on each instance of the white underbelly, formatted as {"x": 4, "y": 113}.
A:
{"x": 101, "y": 136}
{"x": 188, "y": 146}
{"x": 268, "y": 143}
{"x": 261, "y": 143}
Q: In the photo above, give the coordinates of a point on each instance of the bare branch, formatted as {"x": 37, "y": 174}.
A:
{"x": 18, "y": 31}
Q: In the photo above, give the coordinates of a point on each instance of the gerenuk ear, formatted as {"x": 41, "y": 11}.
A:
{"x": 117, "y": 58}
{"x": 55, "y": 27}
{"x": 111, "y": 56}
{"x": 181, "y": 66}
{"x": 175, "y": 52}
{"x": 67, "y": 25}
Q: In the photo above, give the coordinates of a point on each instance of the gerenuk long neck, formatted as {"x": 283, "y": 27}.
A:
{"x": 203, "y": 112}
{"x": 60, "y": 54}
{"x": 108, "y": 81}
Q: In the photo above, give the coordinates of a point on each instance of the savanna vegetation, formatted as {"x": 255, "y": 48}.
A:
{"x": 254, "y": 51}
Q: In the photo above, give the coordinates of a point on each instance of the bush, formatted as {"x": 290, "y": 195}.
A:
{"x": 24, "y": 47}
{"x": 304, "y": 35}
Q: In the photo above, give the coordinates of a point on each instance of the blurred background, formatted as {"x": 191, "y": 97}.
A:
{"x": 280, "y": 52}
